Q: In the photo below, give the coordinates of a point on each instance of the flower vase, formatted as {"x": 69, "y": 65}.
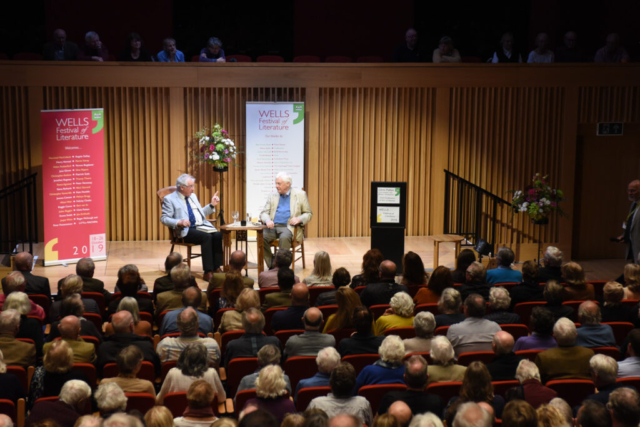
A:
{"x": 541, "y": 221}
{"x": 220, "y": 168}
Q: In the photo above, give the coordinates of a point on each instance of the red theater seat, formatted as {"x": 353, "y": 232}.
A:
{"x": 338, "y": 59}
{"x": 369, "y": 59}
{"x": 269, "y": 58}
{"x": 300, "y": 367}
{"x": 306, "y": 395}
{"x": 239, "y": 58}
{"x": 573, "y": 391}
{"x": 374, "y": 393}
{"x": 306, "y": 58}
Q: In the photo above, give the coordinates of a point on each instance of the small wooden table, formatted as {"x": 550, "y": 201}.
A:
{"x": 444, "y": 238}
{"x": 226, "y": 244}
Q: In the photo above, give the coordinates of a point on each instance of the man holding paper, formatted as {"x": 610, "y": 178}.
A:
{"x": 181, "y": 210}
{"x": 285, "y": 209}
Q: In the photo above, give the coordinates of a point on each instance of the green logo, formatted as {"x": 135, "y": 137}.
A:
{"x": 299, "y": 110}
{"x": 98, "y": 117}
{"x": 397, "y": 191}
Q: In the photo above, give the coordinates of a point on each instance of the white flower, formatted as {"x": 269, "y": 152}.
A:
{"x": 215, "y": 156}
{"x": 547, "y": 202}
{"x": 523, "y": 208}
{"x": 203, "y": 140}
{"x": 525, "y": 204}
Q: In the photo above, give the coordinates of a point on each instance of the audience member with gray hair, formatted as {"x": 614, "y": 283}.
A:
{"x": 444, "y": 367}
{"x": 552, "y": 261}
{"x": 252, "y": 340}
{"x": 424, "y": 324}
{"x": 504, "y": 273}
{"x": 388, "y": 369}
{"x": 624, "y": 407}
{"x": 15, "y": 282}
{"x": 15, "y": 352}
{"x": 398, "y": 315}
{"x": 476, "y": 282}
{"x": 604, "y": 372}
{"x": 630, "y": 367}
{"x": 129, "y": 363}
{"x": 449, "y": 307}
{"x": 475, "y": 333}
{"x": 445, "y": 52}
{"x": 69, "y": 328}
{"x": 267, "y": 355}
{"x": 563, "y": 409}
{"x": 93, "y": 50}
{"x": 232, "y": 319}
{"x": 23, "y": 263}
{"x": 567, "y": 360}
{"x": 503, "y": 366}
{"x": 10, "y": 386}
{"x": 111, "y": 399}
{"x": 121, "y": 419}
{"x": 426, "y": 420}
{"x": 170, "y": 53}
{"x": 213, "y": 51}
{"x": 29, "y": 327}
{"x": 141, "y": 327}
{"x": 328, "y": 358}
{"x": 312, "y": 340}
{"x": 592, "y": 333}
{"x": 471, "y": 414}
{"x": 531, "y": 389}
{"x": 74, "y": 397}
{"x": 499, "y": 303}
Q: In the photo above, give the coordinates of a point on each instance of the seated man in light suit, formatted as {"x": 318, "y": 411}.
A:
{"x": 285, "y": 209}
{"x": 190, "y": 219}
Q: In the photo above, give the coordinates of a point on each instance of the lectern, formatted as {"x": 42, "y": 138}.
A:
{"x": 389, "y": 219}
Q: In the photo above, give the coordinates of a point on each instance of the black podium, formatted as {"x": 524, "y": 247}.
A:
{"x": 389, "y": 219}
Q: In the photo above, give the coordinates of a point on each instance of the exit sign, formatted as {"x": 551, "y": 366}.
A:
{"x": 610, "y": 129}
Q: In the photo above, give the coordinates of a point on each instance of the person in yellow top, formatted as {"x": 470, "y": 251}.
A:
{"x": 399, "y": 315}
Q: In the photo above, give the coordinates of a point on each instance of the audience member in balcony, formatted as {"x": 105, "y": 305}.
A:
{"x": 567, "y": 360}
{"x": 83, "y": 352}
{"x": 237, "y": 262}
{"x": 72, "y": 284}
{"x": 386, "y": 370}
{"x": 134, "y": 51}
{"x": 552, "y": 270}
{"x": 541, "y": 338}
{"x": 499, "y": 302}
{"x": 328, "y": 358}
{"x": 409, "y": 51}
{"x": 321, "y": 274}
{"x": 72, "y": 401}
{"x": 72, "y": 306}
{"x": 398, "y": 315}
{"x": 604, "y": 371}
{"x": 170, "y": 347}
{"x": 132, "y": 272}
{"x": 504, "y": 273}
{"x": 530, "y": 289}
{"x": 141, "y": 327}
{"x": 129, "y": 363}
{"x": 449, "y": 307}
{"x": 476, "y": 282}
{"x": 291, "y": 318}
{"x": 269, "y": 278}
{"x": 531, "y": 389}
{"x": 506, "y": 53}
{"x": 10, "y": 386}
{"x": 503, "y": 366}
{"x": 612, "y": 51}
{"x": 267, "y": 355}
{"x": 424, "y": 324}
{"x": 347, "y": 300}
{"x": 172, "y": 300}
{"x": 465, "y": 259}
{"x": 93, "y": 50}
{"x": 23, "y": 262}
{"x": 474, "y": 333}
{"x": 15, "y": 352}
{"x": 577, "y": 288}
{"x": 439, "y": 280}
{"x": 624, "y": 407}
{"x": 85, "y": 268}
{"x": 169, "y": 53}
{"x": 364, "y": 341}
{"x": 164, "y": 283}
{"x": 312, "y": 340}
{"x": 370, "y": 273}
{"x": 232, "y": 320}
{"x": 381, "y": 291}
{"x": 542, "y": 53}
{"x": 416, "y": 377}
{"x": 15, "y": 282}
{"x": 446, "y": 52}
{"x": 191, "y": 297}
{"x": 60, "y": 49}
{"x": 632, "y": 281}
{"x": 199, "y": 412}
{"x": 413, "y": 273}
{"x": 252, "y": 340}
{"x": 593, "y": 333}
{"x": 213, "y": 51}
{"x": 272, "y": 393}
{"x": 476, "y": 387}
{"x": 613, "y": 310}
{"x": 57, "y": 370}
{"x": 630, "y": 367}
{"x": 341, "y": 277}
{"x": 554, "y": 295}
{"x": 631, "y": 226}
{"x": 29, "y": 327}
{"x": 571, "y": 51}
{"x": 193, "y": 364}
{"x": 444, "y": 367}
{"x": 286, "y": 280}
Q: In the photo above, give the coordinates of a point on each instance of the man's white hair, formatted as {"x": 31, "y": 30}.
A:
{"x": 328, "y": 358}
{"x": 18, "y": 301}
{"x": 499, "y": 298}
{"x": 605, "y": 367}
{"x": 471, "y": 414}
{"x": 553, "y": 257}
{"x": 391, "y": 349}
{"x": 402, "y": 304}
{"x": 424, "y": 323}
{"x": 442, "y": 350}
{"x": 9, "y": 321}
{"x": 90, "y": 36}
{"x": 110, "y": 397}
{"x": 428, "y": 419}
{"x": 183, "y": 179}
{"x": 5, "y": 421}
{"x": 122, "y": 420}
{"x": 565, "y": 333}
{"x": 285, "y": 177}
{"x": 527, "y": 370}
{"x": 74, "y": 391}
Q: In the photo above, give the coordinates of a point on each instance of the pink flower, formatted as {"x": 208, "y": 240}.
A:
{"x": 223, "y": 131}
{"x": 554, "y": 204}
{"x": 227, "y": 160}
{"x": 206, "y": 155}
{"x": 226, "y": 151}
{"x": 532, "y": 191}
{"x": 203, "y": 148}
{"x": 212, "y": 147}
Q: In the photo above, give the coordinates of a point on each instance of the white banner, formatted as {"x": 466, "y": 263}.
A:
{"x": 275, "y": 143}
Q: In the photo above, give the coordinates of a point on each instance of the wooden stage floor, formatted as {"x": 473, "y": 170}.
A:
{"x": 345, "y": 252}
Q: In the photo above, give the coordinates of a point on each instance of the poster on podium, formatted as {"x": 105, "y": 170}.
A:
{"x": 73, "y": 185}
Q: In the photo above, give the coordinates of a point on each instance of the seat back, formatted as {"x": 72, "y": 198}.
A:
{"x": 283, "y": 336}
{"x": 359, "y": 289}
{"x": 369, "y": 59}
{"x": 239, "y": 58}
{"x": 299, "y": 368}
{"x": 529, "y": 354}
{"x": 239, "y": 368}
{"x": 167, "y": 366}
{"x": 446, "y": 390}
{"x": 8, "y": 408}
{"x": 338, "y": 59}
{"x": 220, "y": 313}
{"x": 263, "y": 293}
{"x": 99, "y": 299}
{"x": 359, "y": 361}
{"x": 413, "y": 289}
{"x": 177, "y": 403}
{"x": 161, "y": 317}
{"x": 515, "y": 330}
{"x": 501, "y": 387}
{"x": 630, "y": 381}
{"x": 340, "y": 334}
{"x": 242, "y": 397}
{"x": 306, "y": 58}
{"x": 21, "y": 374}
{"x": 431, "y": 308}
{"x": 524, "y": 310}
{"x": 268, "y": 318}
{"x": 306, "y": 395}
{"x": 147, "y": 317}
{"x": 228, "y": 337}
{"x": 607, "y": 351}
{"x": 576, "y": 304}
{"x": 328, "y": 310}
{"x": 620, "y": 330}
{"x": 629, "y": 302}
{"x": 93, "y": 340}
{"x": 213, "y": 297}
{"x": 378, "y": 310}
{"x": 442, "y": 330}
{"x": 598, "y": 287}
{"x": 89, "y": 371}
{"x": 269, "y": 58}
{"x": 507, "y": 285}
{"x": 94, "y": 318}
{"x": 374, "y": 393}
{"x": 573, "y": 391}
{"x": 44, "y": 302}
{"x": 140, "y": 401}
{"x": 403, "y": 333}
{"x": 485, "y": 357}
{"x": 314, "y": 291}
{"x": 147, "y": 371}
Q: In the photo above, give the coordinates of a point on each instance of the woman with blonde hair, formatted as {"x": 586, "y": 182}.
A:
{"x": 632, "y": 280}
{"x": 613, "y": 310}
{"x": 232, "y": 319}
{"x": 550, "y": 416}
{"x": 141, "y": 327}
{"x": 271, "y": 389}
{"x": 449, "y": 307}
{"x": 158, "y": 416}
{"x": 321, "y": 274}
{"x": 577, "y": 288}
{"x": 398, "y": 315}
{"x": 348, "y": 300}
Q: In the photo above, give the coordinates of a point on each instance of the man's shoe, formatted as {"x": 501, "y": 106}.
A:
{"x": 207, "y": 276}
{"x": 218, "y": 270}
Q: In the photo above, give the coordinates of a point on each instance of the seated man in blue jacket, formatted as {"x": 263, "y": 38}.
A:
{"x": 504, "y": 273}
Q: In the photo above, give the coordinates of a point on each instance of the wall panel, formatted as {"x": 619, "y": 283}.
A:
{"x": 609, "y": 104}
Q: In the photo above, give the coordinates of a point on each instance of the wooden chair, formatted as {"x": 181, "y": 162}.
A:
{"x": 176, "y": 240}
{"x": 296, "y": 247}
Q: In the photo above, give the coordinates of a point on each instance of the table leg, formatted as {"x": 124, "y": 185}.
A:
{"x": 436, "y": 254}
{"x": 226, "y": 248}
{"x": 457, "y": 252}
{"x": 260, "y": 242}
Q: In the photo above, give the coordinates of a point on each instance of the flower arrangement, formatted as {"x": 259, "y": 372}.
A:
{"x": 538, "y": 200}
{"x": 217, "y": 148}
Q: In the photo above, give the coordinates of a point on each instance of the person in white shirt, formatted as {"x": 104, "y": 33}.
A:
{"x": 507, "y": 53}
{"x": 542, "y": 53}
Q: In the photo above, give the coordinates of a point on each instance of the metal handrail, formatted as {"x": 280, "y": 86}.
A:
{"x": 19, "y": 211}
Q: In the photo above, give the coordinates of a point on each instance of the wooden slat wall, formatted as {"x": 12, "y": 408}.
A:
{"x": 15, "y": 156}
{"x": 609, "y": 104}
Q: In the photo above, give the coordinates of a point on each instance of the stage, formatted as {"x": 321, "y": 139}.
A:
{"x": 345, "y": 252}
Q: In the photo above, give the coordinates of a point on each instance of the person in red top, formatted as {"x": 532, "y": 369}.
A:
{"x": 532, "y": 389}
{"x": 15, "y": 282}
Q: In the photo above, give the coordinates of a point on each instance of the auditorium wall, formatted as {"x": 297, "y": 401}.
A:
{"x": 493, "y": 125}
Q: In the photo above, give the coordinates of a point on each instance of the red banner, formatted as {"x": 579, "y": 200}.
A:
{"x": 73, "y": 185}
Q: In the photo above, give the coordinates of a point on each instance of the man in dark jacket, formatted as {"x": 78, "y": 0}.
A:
{"x": 60, "y": 49}
{"x": 504, "y": 365}
{"x": 363, "y": 341}
{"x": 291, "y": 318}
{"x": 382, "y": 291}
{"x": 35, "y": 284}
{"x": 86, "y": 268}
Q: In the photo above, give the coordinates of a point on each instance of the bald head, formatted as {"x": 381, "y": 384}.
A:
{"x": 23, "y": 261}
{"x": 589, "y": 313}
{"x": 345, "y": 420}
{"x": 69, "y": 327}
{"x": 5, "y": 421}
{"x": 472, "y": 414}
{"x": 14, "y": 282}
{"x": 312, "y": 319}
{"x": 401, "y": 411}
{"x": 122, "y": 322}
{"x": 300, "y": 295}
{"x": 503, "y": 343}
{"x": 237, "y": 261}
{"x": 192, "y": 297}
{"x": 387, "y": 270}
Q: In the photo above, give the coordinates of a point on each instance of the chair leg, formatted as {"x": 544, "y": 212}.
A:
{"x": 293, "y": 252}
{"x": 189, "y": 256}
{"x": 171, "y": 251}
{"x": 304, "y": 265}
